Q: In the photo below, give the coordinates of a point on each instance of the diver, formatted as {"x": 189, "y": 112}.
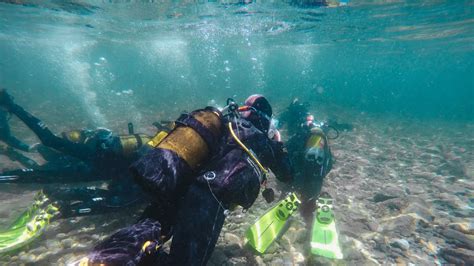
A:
{"x": 309, "y": 152}
{"x": 211, "y": 162}
{"x": 79, "y": 156}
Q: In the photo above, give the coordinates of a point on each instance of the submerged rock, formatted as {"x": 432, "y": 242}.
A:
{"x": 458, "y": 256}
{"x": 420, "y": 210}
{"x": 464, "y": 227}
{"x": 404, "y": 225}
{"x": 458, "y": 238}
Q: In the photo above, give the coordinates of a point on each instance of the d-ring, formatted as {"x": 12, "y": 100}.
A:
{"x": 211, "y": 175}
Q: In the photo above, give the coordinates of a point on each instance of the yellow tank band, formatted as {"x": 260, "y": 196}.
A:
{"x": 315, "y": 138}
{"x": 131, "y": 143}
{"x": 187, "y": 142}
{"x": 157, "y": 139}
{"x": 247, "y": 150}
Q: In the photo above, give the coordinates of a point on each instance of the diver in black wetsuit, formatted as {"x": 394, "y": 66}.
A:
{"x": 85, "y": 155}
{"x": 210, "y": 163}
{"x": 309, "y": 152}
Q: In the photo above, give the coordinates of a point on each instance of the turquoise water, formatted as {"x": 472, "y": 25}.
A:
{"x": 401, "y": 71}
{"x": 412, "y": 59}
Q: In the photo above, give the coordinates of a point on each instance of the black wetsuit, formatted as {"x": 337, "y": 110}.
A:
{"x": 7, "y": 137}
{"x": 93, "y": 160}
{"x": 193, "y": 204}
{"x": 308, "y": 175}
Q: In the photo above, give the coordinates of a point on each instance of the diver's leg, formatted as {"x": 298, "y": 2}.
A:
{"x": 138, "y": 244}
{"x": 6, "y": 136}
{"x": 44, "y": 134}
{"x": 199, "y": 223}
{"x": 16, "y": 143}
{"x": 15, "y": 155}
{"x": 91, "y": 200}
{"x": 78, "y": 201}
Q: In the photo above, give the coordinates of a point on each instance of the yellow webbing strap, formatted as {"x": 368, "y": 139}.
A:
{"x": 250, "y": 153}
{"x": 157, "y": 139}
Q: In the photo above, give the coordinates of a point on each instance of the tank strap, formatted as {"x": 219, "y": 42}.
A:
{"x": 206, "y": 134}
{"x": 139, "y": 140}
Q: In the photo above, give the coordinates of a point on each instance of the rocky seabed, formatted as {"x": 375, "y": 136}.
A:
{"x": 403, "y": 196}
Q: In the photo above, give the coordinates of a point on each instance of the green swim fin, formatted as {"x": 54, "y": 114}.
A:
{"x": 29, "y": 226}
{"x": 324, "y": 241}
{"x": 39, "y": 200}
{"x": 268, "y": 227}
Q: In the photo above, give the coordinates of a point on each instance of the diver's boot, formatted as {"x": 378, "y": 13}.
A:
{"x": 6, "y": 100}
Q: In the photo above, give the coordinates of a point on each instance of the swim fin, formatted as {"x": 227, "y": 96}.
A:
{"x": 29, "y": 226}
{"x": 324, "y": 241}
{"x": 269, "y": 226}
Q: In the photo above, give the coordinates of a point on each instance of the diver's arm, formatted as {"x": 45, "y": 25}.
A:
{"x": 280, "y": 164}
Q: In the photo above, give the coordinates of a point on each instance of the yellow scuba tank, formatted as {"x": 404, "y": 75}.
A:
{"x": 315, "y": 146}
{"x": 131, "y": 143}
{"x": 193, "y": 136}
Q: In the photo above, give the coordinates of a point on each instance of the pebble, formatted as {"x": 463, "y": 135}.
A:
{"x": 53, "y": 244}
{"x": 268, "y": 257}
{"x": 40, "y": 250}
{"x": 28, "y": 258}
{"x": 464, "y": 227}
{"x": 237, "y": 261}
{"x": 259, "y": 261}
{"x": 402, "y": 225}
{"x": 277, "y": 261}
{"x": 298, "y": 258}
{"x": 232, "y": 239}
{"x": 420, "y": 210}
{"x": 80, "y": 245}
{"x": 67, "y": 243}
{"x": 401, "y": 243}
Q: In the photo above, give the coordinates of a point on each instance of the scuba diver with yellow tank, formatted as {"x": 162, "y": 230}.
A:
{"x": 309, "y": 151}
{"x": 311, "y": 158}
{"x": 76, "y": 156}
{"x": 208, "y": 164}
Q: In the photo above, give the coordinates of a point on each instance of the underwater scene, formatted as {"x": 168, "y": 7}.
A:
{"x": 237, "y": 132}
